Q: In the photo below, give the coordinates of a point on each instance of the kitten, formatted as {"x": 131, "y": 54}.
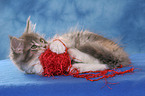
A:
{"x": 90, "y": 51}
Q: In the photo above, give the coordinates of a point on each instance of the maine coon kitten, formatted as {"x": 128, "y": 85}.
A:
{"x": 89, "y": 50}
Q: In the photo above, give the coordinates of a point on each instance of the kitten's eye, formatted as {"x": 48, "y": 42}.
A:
{"x": 33, "y": 46}
{"x": 42, "y": 40}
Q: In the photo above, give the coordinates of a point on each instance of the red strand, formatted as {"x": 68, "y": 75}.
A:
{"x": 101, "y": 74}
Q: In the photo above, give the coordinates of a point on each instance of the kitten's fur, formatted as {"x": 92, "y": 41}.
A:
{"x": 89, "y": 50}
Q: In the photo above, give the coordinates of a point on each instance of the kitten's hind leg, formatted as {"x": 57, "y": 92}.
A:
{"x": 83, "y": 67}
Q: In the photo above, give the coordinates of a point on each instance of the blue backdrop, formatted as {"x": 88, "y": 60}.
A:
{"x": 122, "y": 20}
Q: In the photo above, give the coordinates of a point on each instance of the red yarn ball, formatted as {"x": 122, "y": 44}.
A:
{"x": 54, "y": 64}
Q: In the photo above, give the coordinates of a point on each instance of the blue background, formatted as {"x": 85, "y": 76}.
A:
{"x": 121, "y": 20}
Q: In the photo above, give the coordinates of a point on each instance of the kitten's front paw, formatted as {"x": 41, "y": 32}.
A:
{"x": 38, "y": 69}
{"x": 57, "y": 47}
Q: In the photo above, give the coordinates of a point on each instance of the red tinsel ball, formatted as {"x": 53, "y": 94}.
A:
{"x": 54, "y": 64}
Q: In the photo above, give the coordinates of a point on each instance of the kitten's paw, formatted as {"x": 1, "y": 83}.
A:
{"x": 79, "y": 67}
{"x": 34, "y": 69}
{"x": 57, "y": 47}
{"x": 89, "y": 67}
{"x": 38, "y": 69}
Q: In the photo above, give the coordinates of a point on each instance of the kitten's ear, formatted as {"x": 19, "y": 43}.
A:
{"x": 17, "y": 45}
{"x": 29, "y": 26}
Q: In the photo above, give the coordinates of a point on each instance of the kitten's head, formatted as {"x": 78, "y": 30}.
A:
{"x": 27, "y": 47}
